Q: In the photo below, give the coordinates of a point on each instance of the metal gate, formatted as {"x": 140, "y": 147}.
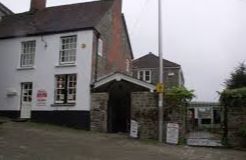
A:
{"x": 204, "y": 124}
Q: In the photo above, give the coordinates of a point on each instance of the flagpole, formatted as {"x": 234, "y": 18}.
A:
{"x": 160, "y": 50}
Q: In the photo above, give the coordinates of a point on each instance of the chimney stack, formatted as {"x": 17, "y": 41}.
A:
{"x": 37, "y": 5}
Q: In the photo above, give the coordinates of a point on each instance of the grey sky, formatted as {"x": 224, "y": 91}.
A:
{"x": 207, "y": 37}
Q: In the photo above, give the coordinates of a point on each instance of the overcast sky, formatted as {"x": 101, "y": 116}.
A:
{"x": 207, "y": 37}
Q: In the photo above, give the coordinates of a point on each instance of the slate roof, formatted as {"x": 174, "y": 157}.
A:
{"x": 5, "y": 10}
{"x": 56, "y": 19}
{"x": 152, "y": 61}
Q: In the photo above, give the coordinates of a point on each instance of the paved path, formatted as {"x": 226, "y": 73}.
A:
{"x": 30, "y": 141}
{"x": 202, "y": 138}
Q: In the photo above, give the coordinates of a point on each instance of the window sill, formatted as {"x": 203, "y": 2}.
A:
{"x": 63, "y": 105}
{"x": 65, "y": 65}
{"x": 26, "y": 68}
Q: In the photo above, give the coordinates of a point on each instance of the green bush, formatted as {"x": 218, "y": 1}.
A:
{"x": 237, "y": 78}
{"x": 233, "y": 97}
{"x": 179, "y": 95}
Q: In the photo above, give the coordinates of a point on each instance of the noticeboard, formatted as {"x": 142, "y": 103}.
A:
{"x": 134, "y": 129}
{"x": 172, "y": 133}
{"x": 42, "y": 96}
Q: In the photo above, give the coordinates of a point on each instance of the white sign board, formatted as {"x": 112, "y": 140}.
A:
{"x": 42, "y": 97}
{"x": 134, "y": 129}
{"x": 172, "y": 133}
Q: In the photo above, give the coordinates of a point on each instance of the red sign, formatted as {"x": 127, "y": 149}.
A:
{"x": 42, "y": 97}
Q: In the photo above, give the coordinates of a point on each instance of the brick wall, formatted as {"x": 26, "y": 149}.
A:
{"x": 116, "y": 47}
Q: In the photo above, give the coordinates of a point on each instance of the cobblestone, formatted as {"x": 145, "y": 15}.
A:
{"x": 30, "y": 141}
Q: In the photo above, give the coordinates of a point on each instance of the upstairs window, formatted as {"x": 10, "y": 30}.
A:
{"x": 65, "y": 92}
{"x": 68, "y": 47}
{"x": 127, "y": 65}
{"x": 100, "y": 47}
{"x": 144, "y": 75}
{"x": 27, "y": 53}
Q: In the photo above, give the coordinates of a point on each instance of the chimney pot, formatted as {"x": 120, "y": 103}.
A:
{"x": 37, "y": 5}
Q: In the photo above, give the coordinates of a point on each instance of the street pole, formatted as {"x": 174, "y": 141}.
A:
{"x": 160, "y": 50}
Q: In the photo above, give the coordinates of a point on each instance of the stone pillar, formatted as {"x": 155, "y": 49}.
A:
{"x": 176, "y": 114}
{"x": 144, "y": 110}
{"x": 236, "y": 118}
{"x": 98, "y": 114}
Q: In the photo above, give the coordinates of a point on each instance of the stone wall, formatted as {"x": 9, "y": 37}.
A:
{"x": 145, "y": 111}
{"x": 176, "y": 114}
{"x": 236, "y": 117}
{"x": 98, "y": 114}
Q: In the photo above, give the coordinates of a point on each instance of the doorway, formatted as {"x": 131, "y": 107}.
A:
{"x": 119, "y": 109}
{"x": 26, "y": 100}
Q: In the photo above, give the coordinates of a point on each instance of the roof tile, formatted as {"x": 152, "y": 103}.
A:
{"x": 54, "y": 19}
{"x": 152, "y": 61}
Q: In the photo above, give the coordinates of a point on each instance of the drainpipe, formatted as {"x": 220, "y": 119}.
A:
{"x": 96, "y": 56}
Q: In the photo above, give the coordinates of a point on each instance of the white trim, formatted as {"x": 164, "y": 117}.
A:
{"x": 100, "y": 47}
{"x": 23, "y": 53}
{"x": 127, "y": 65}
{"x": 74, "y": 40}
{"x": 144, "y": 75}
{"x": 26, "y": 68}
{"x": 65, "y": 65}
{"x": 155, "y": 68}
{"x": 119, "y": 76}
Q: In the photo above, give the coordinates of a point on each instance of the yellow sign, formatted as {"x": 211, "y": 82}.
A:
{"x": 160, "y": 88}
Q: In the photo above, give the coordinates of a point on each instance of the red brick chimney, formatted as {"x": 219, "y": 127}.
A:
{"x": 37, "y": 5}
{"x": 116, "y": 52}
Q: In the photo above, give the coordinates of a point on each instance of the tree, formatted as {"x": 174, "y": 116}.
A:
{"x": 234, "y": 95}
{"x": 179, "y": 95}
{"x": 238, "y": 77}
{"x": 235, "y": 92}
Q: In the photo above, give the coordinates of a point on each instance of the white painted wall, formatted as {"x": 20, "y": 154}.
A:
{"x": 45, "y": 69}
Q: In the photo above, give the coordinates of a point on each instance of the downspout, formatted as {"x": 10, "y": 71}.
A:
{"x": 96, "y": 60}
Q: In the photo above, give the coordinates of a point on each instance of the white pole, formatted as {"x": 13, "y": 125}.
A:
{"x": 160, "y": 50}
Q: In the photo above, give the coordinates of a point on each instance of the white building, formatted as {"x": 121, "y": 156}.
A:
{"x": 51, "y": 56}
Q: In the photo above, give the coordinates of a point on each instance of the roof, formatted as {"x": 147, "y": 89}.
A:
{"x": 119, "y": 77}
{"x": 5, "y": 10}
{"x": 64, "y": 18}
{"x": 152, "y": 61}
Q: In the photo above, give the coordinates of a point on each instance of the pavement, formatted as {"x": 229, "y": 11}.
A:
{"x": 204, "y": 138}
{"x": 32, "y": 141}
